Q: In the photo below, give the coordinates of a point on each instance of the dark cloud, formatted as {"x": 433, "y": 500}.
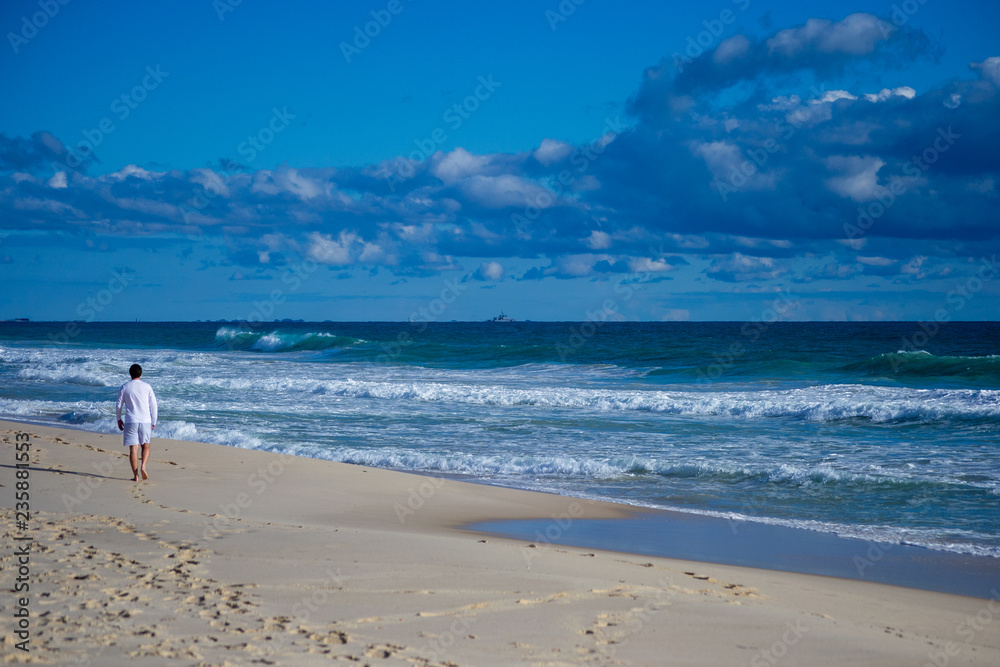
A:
{"x": 821, "y": 47}
{"x": 41, "y": 151}
{"x": 727, "y": 159}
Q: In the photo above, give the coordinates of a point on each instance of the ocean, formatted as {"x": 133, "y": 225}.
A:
{"x": 888, "y": 432}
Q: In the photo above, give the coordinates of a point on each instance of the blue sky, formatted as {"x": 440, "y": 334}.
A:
{"x": 558, "y": 161}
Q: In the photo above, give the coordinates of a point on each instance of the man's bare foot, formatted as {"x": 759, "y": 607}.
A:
{"x": 144, "y": 475}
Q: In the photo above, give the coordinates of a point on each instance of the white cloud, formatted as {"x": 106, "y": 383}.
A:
{"x": 727, "y": 163}
{"x": 58, "y": 180}
{"x": 491, "y": 271}
{"x": 839, "y": 271}
{"x": 647, "y": 265}
{"x": 855, "y": 35}
{"x": 457, "y": 165}
{"x": 551, "y": 151}
{"x": 301, "y": 186}
{"x": 858, "y": 177}
{"x": 372, "y": 253}
{"x": 578, "y": 265}
{"x": 209, "y": 180}
{"x": 731, "y": 49}
{"x": 415, "y": 234}
{"x": 433, "y": 261}
{"x": 291, "y": 181}
{"x": 876, "y": 261}
{"x": 809, "y": 113}
{"x": 854, "y": 244}
{"x": 505, "y": 190}
{"x": 748, "y": 242}
{"x": 886, "y": 93}
{"x": 132, "y": 170}
{"x": 689, "y": 241}
{"x": 598, "y": 240}
{"x": 915, "y": 267}
{"x": 326, "y": 250}
{"x": 989, "y": 69}
{"x": 834, "y": 95}
{"x": 740, "y": 267}
{"x": 721, "y": 157}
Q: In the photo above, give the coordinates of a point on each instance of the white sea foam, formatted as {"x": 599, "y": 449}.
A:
{"x": 229, "y": 333}
{"x": 274, "y": 341}
{"x": 184, "y": 430}
{"x": 823, "y": 403}
{"x": 65, "y": 374}
{"x": 543, "y": 426}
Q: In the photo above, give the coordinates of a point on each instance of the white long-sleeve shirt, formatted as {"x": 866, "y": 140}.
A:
{"x": 139, "y": 402}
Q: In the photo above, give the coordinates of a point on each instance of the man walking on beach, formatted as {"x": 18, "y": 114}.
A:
{"x": 139, "y": 402}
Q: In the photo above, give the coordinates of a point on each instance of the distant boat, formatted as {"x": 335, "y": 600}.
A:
{"x": 502, "y": 318}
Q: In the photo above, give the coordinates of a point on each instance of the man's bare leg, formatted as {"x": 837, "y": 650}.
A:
{"x": 145, "y": 457}
{"x": 133, "y": 459}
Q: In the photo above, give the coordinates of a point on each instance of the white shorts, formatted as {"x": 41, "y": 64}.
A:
{"x": 137, "y": 433}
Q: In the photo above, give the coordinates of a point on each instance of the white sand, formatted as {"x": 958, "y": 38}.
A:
{"x": 331, "y": 562}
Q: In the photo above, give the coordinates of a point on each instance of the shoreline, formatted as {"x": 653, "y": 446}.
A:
{"x": 765, "y": 546}
{"x": 868, "y": 551}
{"x": 227, "y": 555}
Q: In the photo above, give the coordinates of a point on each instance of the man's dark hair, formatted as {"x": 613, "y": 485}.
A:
{"x": 134, "y": 371}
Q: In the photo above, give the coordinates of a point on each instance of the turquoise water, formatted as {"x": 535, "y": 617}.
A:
{"x": 885, "y": 432}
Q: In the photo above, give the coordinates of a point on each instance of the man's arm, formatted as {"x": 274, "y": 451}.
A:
{"x": 153, "y": 408}
{"x": 118, "y": 408}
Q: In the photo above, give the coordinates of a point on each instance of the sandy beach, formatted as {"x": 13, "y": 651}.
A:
{"x": 233, "y": 557}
